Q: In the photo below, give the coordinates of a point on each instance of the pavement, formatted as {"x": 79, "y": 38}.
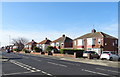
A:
{"x": 108, "y": 63}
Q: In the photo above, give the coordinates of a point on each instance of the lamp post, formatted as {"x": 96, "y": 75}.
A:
{"x": 9, "y": 39}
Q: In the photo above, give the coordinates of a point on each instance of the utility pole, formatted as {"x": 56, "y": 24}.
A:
{"x": 93, "y": 26}
{"x": 9, "y": 39}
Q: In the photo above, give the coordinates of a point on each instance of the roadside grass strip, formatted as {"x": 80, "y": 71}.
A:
{"x": 29, "y": 68}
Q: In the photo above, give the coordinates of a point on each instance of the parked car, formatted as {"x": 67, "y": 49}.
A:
{"x": 90, "y": 54}
{"x": 109, "y": 56}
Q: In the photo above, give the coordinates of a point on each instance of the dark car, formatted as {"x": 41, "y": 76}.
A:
{"x": 8, "y": 50}
{"x": 90, "y": 54}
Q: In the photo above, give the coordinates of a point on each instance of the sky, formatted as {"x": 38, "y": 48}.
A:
{"x": 38, "y": 20}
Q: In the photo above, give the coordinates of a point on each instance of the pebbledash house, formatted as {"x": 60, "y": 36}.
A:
{"x": 30, "y": 45}
{"x": 44, "y": 44}
{"x": 62, "y": 42}
{"x": 96, "y": 41}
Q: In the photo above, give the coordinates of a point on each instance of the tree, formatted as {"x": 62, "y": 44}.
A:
{"x": 20, "y": 42}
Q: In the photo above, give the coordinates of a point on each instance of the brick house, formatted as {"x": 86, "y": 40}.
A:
{"x": 96, "y": 41}
{"x": 30, "y": 45}
{"x": 62, "y": 42}
{"x": 44, "y": 44}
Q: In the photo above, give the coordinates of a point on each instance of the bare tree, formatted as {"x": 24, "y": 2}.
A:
{"x": 20, "y": 42}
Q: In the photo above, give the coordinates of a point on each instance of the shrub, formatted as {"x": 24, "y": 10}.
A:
{"x": 26, "y": 51}
{"x": 49, "y": 48}
{"x": 16, "y": 50}
{"x": 37, "y": 49}
{"x": 70, "y": 51}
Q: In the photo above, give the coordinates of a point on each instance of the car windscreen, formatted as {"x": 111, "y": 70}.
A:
{"x": 89, "y": 52}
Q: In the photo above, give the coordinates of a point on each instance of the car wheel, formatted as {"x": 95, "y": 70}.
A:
{"x": 111, "y": 59}
{"x": 101, "y": 58}
{"x": 98, "y": 57}
{"x": 119, "y": 59}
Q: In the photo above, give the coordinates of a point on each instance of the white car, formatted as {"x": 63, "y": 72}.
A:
{"x": 109, "y": 56}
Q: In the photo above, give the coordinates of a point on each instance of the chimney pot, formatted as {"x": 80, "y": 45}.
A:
{"x": 63, "y": 35}
{"x": 93, "y": 31}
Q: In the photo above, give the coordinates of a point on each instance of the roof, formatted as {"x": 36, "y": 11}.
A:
{"x": 46, "y": 41}
{"x": 96, "y": 34}
{"x": 62, "y": 39}
{"x": 30, "y": 43}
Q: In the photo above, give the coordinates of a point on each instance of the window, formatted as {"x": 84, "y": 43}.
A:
{"x": 80, "y": 42}
{"x": 57, "y": 44}
{"x": 116, "y": 41}
{"x": 113, "y": 43}
{"x": 99, "y": 41}
{"x": 93, "y": 41}
{"x": 89, "y": 41}
{"x": 75, "y": 42}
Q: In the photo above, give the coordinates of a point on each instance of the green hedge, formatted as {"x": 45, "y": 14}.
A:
{"x": 16, "y": 50}
{"x": 70, "y": 51}
{"x": 37, "y": 49}
{"x": 49, "y": 48}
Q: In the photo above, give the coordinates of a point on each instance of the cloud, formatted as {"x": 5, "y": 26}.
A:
{"x": 38, "y": 36}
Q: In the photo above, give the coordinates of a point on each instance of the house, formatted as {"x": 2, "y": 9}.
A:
{"x": 96, "y": 41}
{"x": 44, "y": 44}
{"x": 30, "y": 45}
{"x": 62, "y": 42}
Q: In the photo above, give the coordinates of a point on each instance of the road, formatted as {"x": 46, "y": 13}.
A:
{"x": 28, "y": 65}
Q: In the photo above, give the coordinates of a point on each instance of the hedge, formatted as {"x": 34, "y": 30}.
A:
{"x": 37, "y": 49}
{"x": 70, "y": 51}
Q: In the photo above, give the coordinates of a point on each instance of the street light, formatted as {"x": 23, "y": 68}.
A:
{"x": 9, "y": 39}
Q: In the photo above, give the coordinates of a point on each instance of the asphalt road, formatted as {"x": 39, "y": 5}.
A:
{"x": 27, "y": 65}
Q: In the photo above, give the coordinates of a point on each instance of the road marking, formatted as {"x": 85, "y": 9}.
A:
{"x": 18, "y": 73}
{"x": 95, "y": 72}
{"x": 57, "y": 64}
{"x": 27, "y": 67}
{"x": 108, "y": 70}
{"x": 71, "y": 63}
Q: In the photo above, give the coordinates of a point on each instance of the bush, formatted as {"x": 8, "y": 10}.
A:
{"x": 26, "y": 51}
{"x": 70, "y": 51}
{"x": 16, "y": 50}
{"x": 37, "y": 49}
{"x": 49, "y": 48}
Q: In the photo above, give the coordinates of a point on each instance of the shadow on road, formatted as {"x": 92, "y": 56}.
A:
{"x": 12, "y": 58}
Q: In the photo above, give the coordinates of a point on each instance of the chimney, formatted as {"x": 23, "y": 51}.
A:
{"x": 32, "y": 40}
{"x": 93, "y": 31}
{"x": 46, "y": 38}
{"x": 63, "y": 35}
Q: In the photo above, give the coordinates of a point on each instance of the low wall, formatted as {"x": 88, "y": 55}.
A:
{"x": 63, "y": 55}
{"x": 35, "y": 53}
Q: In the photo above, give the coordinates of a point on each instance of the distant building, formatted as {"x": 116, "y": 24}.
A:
{"x": 96, "y": 41}
{"x": 30, "y": 45}
{"x": 44, "y": 44}
{"x": 62, "y": 42}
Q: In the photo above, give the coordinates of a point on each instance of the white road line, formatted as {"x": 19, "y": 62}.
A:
{"x": 108, "y": 70}
{"x": 27, "y": 67}
{"x": 95, "y": 72}
{"x": 17, "y": 73}
{"x": 57, "y": 64}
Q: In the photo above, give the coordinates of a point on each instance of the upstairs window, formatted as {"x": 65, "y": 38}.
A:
{"x": 116, "y": 42}
{"x": 75, "y": 42}
{"x": 80, "y": 42}
{"x": 89, "y": 41}
{"x": 99, "y": 41}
